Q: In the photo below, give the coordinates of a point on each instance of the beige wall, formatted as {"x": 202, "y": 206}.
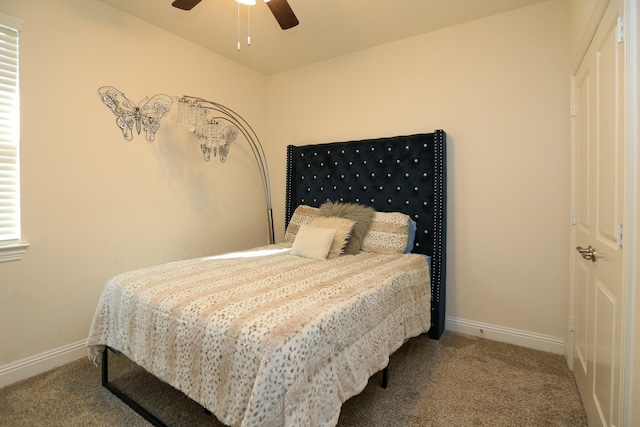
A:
{"x": 95, "y": 205}
{"x": 581, "y": 13}
{"x": 499, "y": 87}
{"x": 584, "y": 16}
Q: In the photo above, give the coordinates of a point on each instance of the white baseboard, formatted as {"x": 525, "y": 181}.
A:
{"x": 512, "y": 336}
{"x": 34, "y": 365}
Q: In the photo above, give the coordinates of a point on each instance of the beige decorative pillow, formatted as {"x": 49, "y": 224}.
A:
{"x": 313, "y": 242}
{"x": 389, "y": 233}
{"x": 302, "y": 215}
{"x": 362, "y": 215}
{"x": 342, "y": 226}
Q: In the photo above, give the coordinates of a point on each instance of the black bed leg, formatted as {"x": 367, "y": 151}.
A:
{"x": 385, "y": 377}
{"x": 105, "y": 367}
{"x": 122, "y": 396}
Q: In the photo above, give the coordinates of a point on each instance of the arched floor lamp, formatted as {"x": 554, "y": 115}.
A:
{"x": 216, "y": 127}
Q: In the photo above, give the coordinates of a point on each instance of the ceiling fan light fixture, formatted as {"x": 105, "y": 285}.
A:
{"x": 280, "y": 9}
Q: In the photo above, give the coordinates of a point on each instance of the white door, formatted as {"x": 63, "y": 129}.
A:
{"x": 599, "y": 207}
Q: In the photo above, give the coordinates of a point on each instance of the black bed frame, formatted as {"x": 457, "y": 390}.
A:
{"x": 399, "y": 174}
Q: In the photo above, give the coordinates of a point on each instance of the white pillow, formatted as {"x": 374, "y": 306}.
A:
{"x": 313, "y": 242}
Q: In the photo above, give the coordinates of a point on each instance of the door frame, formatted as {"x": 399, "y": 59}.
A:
{"x": 631, "y": 413}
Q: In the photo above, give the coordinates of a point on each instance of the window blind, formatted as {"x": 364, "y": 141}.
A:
{"x": 9, "y": 136}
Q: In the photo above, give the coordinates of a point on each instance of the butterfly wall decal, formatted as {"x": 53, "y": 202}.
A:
{"x": 144, "y": 115}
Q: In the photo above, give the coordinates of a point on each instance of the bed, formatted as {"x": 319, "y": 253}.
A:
{"x": 281, "y": 335}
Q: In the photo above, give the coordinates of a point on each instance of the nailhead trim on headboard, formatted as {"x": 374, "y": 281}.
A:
{"x": 398, "y": 174}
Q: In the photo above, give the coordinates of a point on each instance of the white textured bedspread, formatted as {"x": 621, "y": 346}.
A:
{"x": 263, "y": 338}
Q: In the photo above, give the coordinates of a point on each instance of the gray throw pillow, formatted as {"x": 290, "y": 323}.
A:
{"x": 362, "y": 215}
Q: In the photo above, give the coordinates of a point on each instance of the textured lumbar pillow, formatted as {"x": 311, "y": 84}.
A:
{"x": 389, "y": 233}
{"x": 362, "y": 215}
{"x": 342, "y": 226}
{"x": 302, "y": 215}
{"x": 313, "y": 242}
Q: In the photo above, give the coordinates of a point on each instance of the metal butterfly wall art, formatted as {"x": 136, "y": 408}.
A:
{"x": 144, "y": 115}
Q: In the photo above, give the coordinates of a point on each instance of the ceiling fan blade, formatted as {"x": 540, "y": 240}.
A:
{"x": 185, "y": 4}
{"x": 283, "y": 13}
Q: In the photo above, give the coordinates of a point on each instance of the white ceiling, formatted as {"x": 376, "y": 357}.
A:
{"x": 328, "y": 28}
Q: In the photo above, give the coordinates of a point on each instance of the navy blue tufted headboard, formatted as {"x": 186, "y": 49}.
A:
{"x": 398, "y": 174}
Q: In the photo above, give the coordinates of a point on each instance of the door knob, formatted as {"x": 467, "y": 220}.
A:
{"x": 587, "y": 253}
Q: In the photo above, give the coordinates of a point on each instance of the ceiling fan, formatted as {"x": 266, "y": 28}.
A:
{"x": 280, "y": 9}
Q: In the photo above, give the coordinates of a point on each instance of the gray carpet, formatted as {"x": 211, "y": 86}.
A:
{"x": 457, "y": 381}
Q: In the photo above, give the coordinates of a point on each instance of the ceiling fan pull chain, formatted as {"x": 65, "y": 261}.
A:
{"x": 248, "y": 25}
{"x": 238, "y": 27}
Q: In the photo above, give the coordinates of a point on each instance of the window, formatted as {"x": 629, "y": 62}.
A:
{"x": 10, "y": 247}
